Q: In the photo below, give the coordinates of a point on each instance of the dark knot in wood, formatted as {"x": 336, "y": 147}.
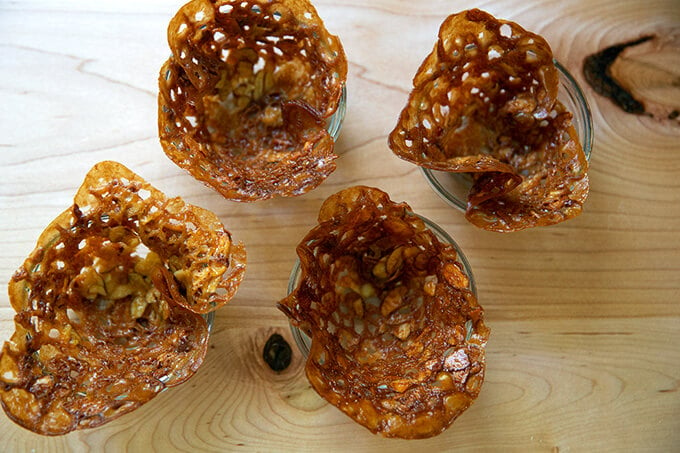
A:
{"x": 596, "y": 69}
{"x": 277, "y": 353}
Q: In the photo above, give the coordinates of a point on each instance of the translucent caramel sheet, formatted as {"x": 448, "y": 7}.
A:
{"x": 485, "y": 102}
{"x": 245, "y": 96}
{"x": 108, "y": 304}
{"x": 397, "y": 338}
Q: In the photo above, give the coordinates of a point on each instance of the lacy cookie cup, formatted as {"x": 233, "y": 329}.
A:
{"x": 303, "y": 341}
{"x": 453, "y": 188}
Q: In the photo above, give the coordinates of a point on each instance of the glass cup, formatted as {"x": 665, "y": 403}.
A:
{"x": 303, "y": 341}
{"x": 454, "y": 187}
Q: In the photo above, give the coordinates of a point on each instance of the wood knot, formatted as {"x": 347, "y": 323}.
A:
{"x": 277, "y": 353}
{"x": 640, "y": 76}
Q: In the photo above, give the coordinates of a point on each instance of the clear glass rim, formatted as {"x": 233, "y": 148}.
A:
{"x": 573, "y": 89}
{"x": 334, "y": 123}
{"x": 304, "y": 342}
{"x": 570, "y": 88}
{"x": 209, "y": 319}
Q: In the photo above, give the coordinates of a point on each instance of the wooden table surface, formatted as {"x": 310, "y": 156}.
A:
{"x": 585, "y": 315}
